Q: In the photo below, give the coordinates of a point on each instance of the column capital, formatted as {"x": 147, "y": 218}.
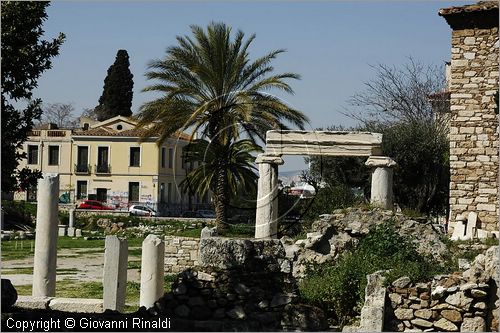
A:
{"x": 271, "y": 159}
{"x": 380, "y": 161}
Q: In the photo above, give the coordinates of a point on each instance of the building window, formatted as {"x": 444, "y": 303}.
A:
{"x": 32, "y": 154}
{"x": 170, "y": 157}
{"x": 103, "y": 160}
{"x": 81, "y": 189}
{"x": 133, "y": 192}
{"x": 163, "y": 156}
{"x": 82, "y": 159}
{"x": 53, "y": 155}
{"x": 135, "y": 156}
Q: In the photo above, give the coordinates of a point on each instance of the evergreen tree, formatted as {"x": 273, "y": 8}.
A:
{"x": 116, "y": 98}
{"x": 25, "y": 56}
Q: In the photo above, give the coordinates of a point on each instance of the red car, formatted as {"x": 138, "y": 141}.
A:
{"x": 94, "y": 204}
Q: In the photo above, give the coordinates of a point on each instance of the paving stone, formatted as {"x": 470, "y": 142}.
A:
{"x": 424, "y": 314}
{"x": 82, "y": 305}
{"x": 402, "y": 282}
{"x": 478, "y": 293}
{"x": 445, "y": 325}
{"x": 404, "y": 314}
{"x": 421, "y": 323}
{"x": 475, "y": 324}
{"x": 452, "y": 315}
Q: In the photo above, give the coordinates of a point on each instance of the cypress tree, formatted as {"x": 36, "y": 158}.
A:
{"x": 116, "y": 98}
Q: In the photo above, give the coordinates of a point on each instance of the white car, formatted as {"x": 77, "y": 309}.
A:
{"x": 141, "y": 210}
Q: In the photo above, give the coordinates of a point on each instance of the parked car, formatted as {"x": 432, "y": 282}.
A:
{"x": 191, "y": 214}
{"x": 94, "y": 204}
{"x": 207, "y": 213}
{"x": 141, "y": 210}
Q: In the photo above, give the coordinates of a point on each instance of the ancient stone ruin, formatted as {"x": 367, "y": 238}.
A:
{"x": 325, "y": 143}
{"x": 473, "y": 88}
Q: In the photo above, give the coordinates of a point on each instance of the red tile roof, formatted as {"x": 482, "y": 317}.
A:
{"x": 103, "y": 131}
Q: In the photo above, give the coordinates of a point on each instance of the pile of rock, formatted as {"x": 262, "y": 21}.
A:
{"x": 465, "y": 302}
{"x": 241, "y": 286}
{"x": 335, "y": 233}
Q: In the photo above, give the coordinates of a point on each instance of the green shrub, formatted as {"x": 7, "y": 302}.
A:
{"x": 339, "y": 288}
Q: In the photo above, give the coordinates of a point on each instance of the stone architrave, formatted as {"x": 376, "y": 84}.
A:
{"x": 266, "y": 220}
{"x": 152, "y": 270}
{"x": 470, "y": 231}
{"x": 459, "y": 229}
{"x": 382, "y": 181}
{"x": 115, "y": 273}
{"x": 45, "y": 259}
{"x": 327, "y": 143}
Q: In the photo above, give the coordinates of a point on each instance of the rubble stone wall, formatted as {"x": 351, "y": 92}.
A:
{"x": 465, "y": 302}
{"x": 240, "y": 285}
{"x": 474, "y": 125}
{"x": 180, "y": 253}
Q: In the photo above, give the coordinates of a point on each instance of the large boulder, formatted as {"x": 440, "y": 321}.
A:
{"x": 261, "y": 255}
{"x": 9, "y": 295}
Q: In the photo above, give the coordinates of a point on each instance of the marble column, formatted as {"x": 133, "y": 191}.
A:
{"x": 115, "y": 273}
{"x": 71, "y": 226}
{"x": 47, "y": 220}
{"x": 152, "y": 270}
{"x": 382, "y": 181}
{"x": 266, "y": 220}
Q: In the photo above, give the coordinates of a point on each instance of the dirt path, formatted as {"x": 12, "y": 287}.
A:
{"x": 75, "y": 264}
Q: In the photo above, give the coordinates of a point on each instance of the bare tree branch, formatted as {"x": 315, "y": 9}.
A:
{"x": 60, "y": 114}
{"x": 398, "y": 94}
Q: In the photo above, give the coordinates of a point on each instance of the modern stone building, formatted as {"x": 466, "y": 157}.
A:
{"x": 473, "y": 91}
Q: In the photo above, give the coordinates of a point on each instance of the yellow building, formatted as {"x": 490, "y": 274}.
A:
{"x": 105, "y": 161}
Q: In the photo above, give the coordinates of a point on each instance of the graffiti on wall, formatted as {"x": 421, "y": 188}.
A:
{"x": 119, "y": 199}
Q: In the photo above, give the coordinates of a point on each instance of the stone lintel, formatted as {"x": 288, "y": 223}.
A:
{"x": 271, "y": 159}
{"x": 328, "y": 143}
{"x": 380, "y": 161}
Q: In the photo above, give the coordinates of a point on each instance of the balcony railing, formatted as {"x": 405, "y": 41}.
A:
{"x": 34, "y": 133}
{"x": 56, "y": 133}
{"x": 104, "y": 169}
{"x": 82, "y": 169}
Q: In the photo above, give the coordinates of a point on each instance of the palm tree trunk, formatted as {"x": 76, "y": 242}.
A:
{"x": 220, "y": 198}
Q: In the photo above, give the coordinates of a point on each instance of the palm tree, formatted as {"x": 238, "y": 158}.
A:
{"x": 209, "y": 86}
{"x": 239, "y": 165}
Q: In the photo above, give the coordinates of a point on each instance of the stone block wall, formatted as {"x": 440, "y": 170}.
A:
{"x": 474, "y": 124}
{"x": 180, "y": 253}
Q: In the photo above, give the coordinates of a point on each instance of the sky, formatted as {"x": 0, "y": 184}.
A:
{"x": 331, "y": 44}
